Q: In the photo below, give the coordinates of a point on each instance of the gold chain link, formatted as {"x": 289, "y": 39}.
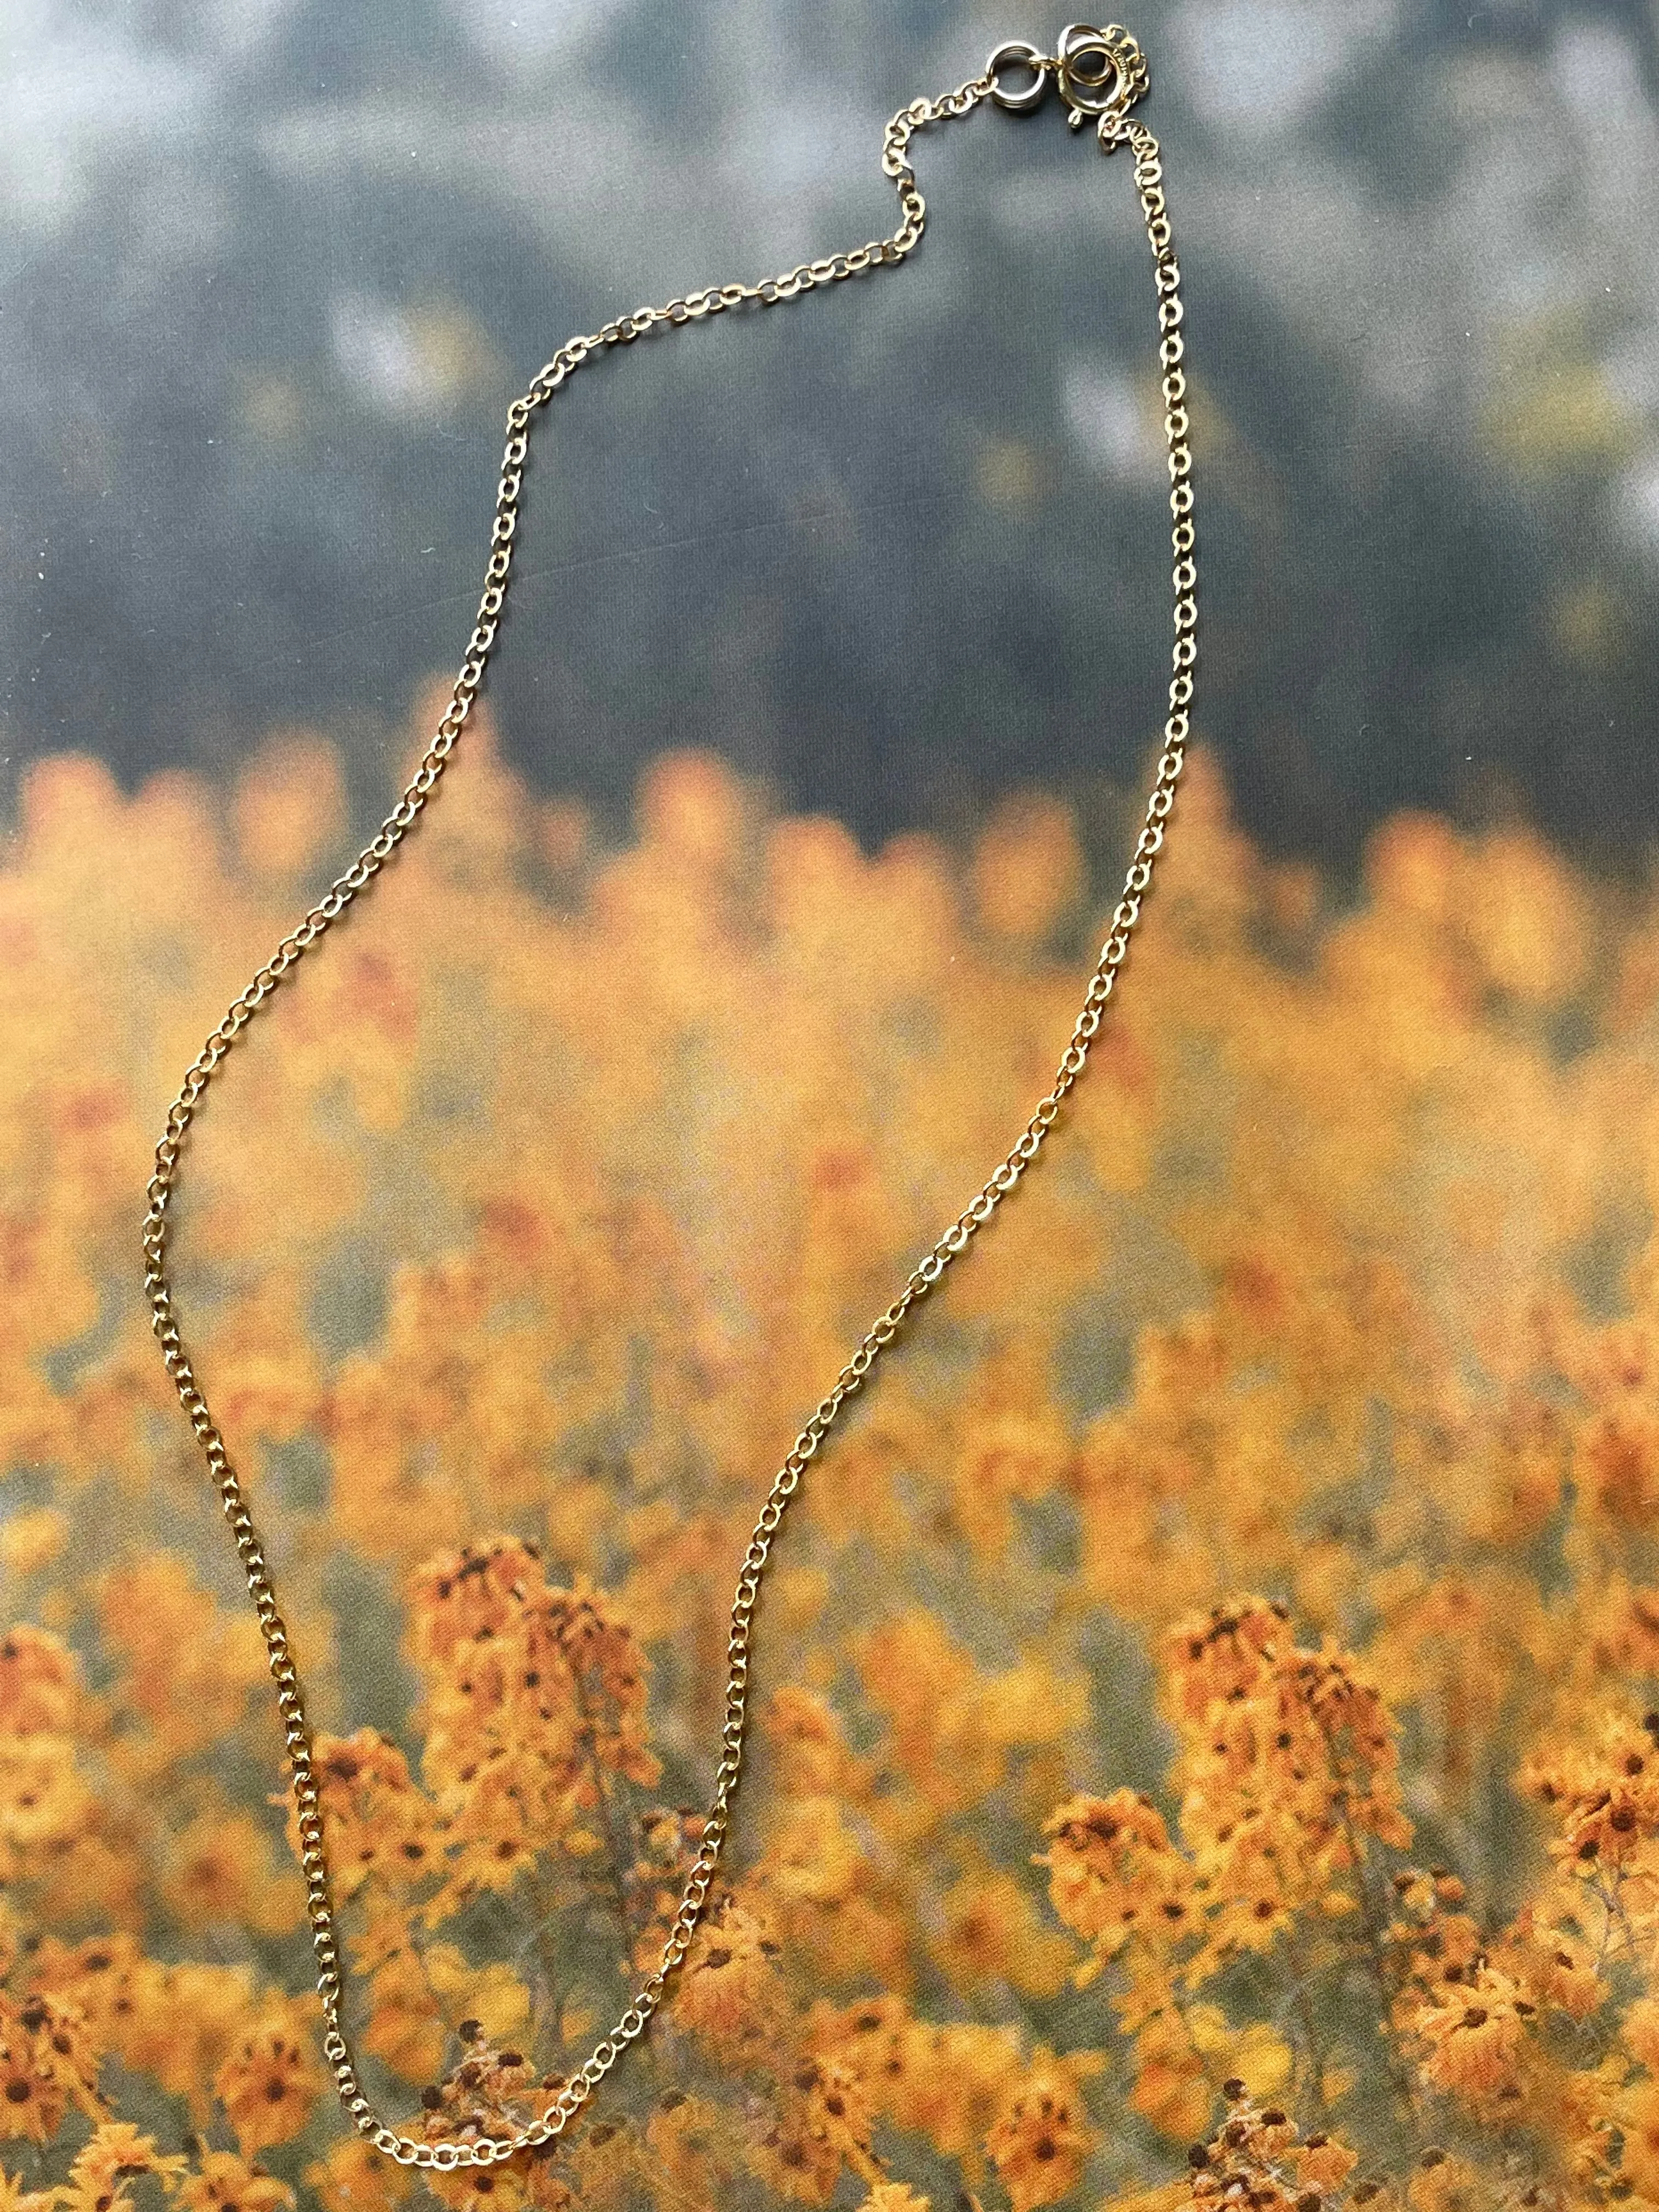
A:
{"x": 1088, "y": 61}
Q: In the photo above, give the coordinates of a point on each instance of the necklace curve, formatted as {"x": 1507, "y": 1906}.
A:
{"x": 1099, "y": 74}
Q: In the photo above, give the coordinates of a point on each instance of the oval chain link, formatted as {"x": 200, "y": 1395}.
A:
{"x": 695, "y": 306}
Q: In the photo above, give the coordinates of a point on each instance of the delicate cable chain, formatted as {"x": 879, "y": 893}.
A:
{"x": 1115, "y": 127}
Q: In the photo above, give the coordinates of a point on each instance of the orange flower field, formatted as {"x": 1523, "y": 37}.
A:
{"x": 1205, "y": 1752}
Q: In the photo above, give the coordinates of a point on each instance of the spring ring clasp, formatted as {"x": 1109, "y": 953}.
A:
{"x": 1097, "y": 72}
{"x": 1092, "y": 78}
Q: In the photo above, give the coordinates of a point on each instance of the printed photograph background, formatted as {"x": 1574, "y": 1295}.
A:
{"x": 1207, "y": 1740}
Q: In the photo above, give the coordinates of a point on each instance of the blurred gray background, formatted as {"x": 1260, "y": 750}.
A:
{"x": 271, "y": 270}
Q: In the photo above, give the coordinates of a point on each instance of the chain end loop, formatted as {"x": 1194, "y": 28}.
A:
{"x": 1098, "y": 73}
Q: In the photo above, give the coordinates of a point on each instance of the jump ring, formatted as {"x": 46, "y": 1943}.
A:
{"x": 1019, "y": 54}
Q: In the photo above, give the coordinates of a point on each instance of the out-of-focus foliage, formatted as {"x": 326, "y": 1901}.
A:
{"x": 1203, "y": 1754}
{"x": 271, "y": 270}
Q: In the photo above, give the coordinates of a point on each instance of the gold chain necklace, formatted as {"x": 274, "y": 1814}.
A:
{"x": 1099, "y": 74}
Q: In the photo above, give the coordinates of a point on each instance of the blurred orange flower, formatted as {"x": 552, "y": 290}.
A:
{"x": 1256, "y": 1531}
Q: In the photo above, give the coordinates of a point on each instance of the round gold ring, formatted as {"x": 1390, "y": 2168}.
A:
{"x": 1019, "y": 54}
